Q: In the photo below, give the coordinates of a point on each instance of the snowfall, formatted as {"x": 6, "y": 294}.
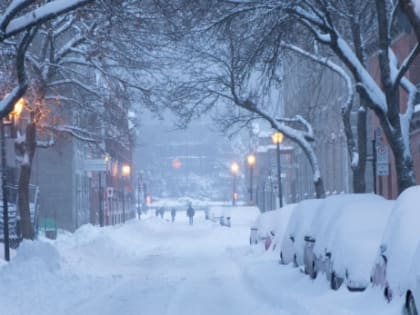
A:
{"x": 154, "y": 266}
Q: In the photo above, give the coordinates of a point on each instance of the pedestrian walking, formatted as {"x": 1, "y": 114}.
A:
{"x": 173, "y": 214}
{"x": 190, "y": 213}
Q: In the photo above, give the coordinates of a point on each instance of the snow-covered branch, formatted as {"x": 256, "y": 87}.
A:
{"x": 11, "y": 24}
{"x": 76, "y": 132}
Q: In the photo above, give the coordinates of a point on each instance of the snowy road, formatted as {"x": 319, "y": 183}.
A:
{"x": 156, "y": 267}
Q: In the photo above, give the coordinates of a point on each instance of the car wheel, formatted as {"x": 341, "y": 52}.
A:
{"x": 388, "y": 293}
{"x": 313, "y": 271}
{"x": 335, "y": 282}
{"x": 295, "y": 263}
{"x": 410, "y": 305}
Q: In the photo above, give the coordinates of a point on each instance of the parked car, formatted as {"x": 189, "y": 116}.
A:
{"x": 354, "y": 240}
{"x": 283, "y": 221}
{"x": 299, "y": 224}
{"x": 315, "y": 252}
{"x": 263, "y": 226}
{"x": 398, "y": 246}
{"x": 271, "y": 225}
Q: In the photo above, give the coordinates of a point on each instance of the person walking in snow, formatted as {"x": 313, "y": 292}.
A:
{"x": 173, "y": 214}
{"x": 190, "y": 213}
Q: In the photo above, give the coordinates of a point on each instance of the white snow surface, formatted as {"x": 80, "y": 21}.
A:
{"x": 154, "y": 267}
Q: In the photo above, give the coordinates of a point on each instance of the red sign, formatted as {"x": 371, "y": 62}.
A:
{"x": 176, "y": 164}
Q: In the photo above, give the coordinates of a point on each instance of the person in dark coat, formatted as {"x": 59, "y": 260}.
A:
{"x": 190, "y": 213}
{"x": 173, "y": 214}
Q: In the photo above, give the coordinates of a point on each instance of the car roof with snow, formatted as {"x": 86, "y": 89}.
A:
{"x": 328, "y": 213}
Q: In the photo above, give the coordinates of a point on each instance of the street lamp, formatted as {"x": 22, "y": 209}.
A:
{"x": 125, "y": 172}
{"x": 277, "y": 138}
{"x": 15, "y": 113}
{"x": 234, "y": 168}
{"x": 251, "y": 163}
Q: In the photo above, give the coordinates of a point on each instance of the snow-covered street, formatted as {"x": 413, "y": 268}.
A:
{"x": 154, "y": 266}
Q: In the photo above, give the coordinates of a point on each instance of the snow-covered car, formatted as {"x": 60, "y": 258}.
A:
{"x": 398, "y": 246}
{"x": 354, "y": 241}
{"x": 299, "y": 224}
{"x": 283, "y": 222}
{"x": 270, "y": 226}
{"x": 263, "y": 226}
{"x": 316, "y": 257}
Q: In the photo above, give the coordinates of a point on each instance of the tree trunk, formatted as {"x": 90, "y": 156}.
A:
{"x": 359, "y": 172}
{"x": 23, "y": 201}
{"x": 24, "y": 180}
{"x": 319, "y": 188}
{"x": 403, "y": 162}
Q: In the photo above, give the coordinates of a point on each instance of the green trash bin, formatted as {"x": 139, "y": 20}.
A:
{"x": 49, "y": 225}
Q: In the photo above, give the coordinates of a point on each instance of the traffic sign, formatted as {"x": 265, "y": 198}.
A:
{"x": 382, "y": 169}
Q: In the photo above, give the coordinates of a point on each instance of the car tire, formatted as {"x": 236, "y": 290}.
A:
{"x": 313, "y": 273}
{"x": 388, "y": 293}
{"x": 295, "y": 263}
{"x": 410, "y": 305}
{"x": 334, "y": 282}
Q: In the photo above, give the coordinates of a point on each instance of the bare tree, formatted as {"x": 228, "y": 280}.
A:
{"x": 215, "y": 73}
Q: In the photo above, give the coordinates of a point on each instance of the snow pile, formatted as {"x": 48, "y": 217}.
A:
{"x": 356, "y": 237}
{"x": 34, "y": 257}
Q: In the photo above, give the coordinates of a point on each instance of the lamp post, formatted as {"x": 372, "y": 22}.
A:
{"x": 251, "y": 163}
{"x": 234, "y": 168}
{"x": 277, "y": 138}
{"x": 125, "y": 171}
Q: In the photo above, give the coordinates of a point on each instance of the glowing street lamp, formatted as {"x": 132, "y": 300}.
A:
{"x": 251, "y": 159}
{"x": 234, "y": 168}
{"x": 125, "y": 172}
{"x": 277, "y": 138}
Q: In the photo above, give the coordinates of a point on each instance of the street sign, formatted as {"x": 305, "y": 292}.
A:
{"x": 382, "y": 154}
{"x": 382, "y": 169}
{"x": 95, "y": 165}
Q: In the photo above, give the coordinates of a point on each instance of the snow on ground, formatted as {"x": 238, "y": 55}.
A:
{"x": 154, "y": 266}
